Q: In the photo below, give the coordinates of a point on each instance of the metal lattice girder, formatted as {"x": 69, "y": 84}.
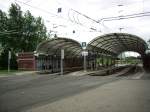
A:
{"x": 91, "y": 48}
{"x": 115, "y": 43}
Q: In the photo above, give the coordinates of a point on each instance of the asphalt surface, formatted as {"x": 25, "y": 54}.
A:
{"x": 20, "y": 93}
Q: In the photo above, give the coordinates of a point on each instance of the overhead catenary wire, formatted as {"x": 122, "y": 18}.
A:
{"x": 76, "y": 20}
{"x": 48, "y": 12}
{"x": 130, "y": 16}
{"x": 85, "y": 16}
{"x": 28, "y": 1}
{"x": 96, "y": 21}
{"x": 143, "y": 14}
{"x": 125, "y": 16}
{"x": 42, "y": 10}
{"x": 53, "y": 15}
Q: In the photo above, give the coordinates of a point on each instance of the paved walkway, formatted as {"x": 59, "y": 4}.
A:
{"x": 77, "y": 73}
{"x": 128, "y": 95}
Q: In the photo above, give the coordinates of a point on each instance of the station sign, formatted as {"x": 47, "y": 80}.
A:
{"x": 83, "y": 45}
{"x": 84, "y": 53}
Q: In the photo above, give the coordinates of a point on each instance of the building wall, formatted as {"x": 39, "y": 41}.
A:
{"x": 26, "y": 61}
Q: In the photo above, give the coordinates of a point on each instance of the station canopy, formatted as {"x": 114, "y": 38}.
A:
{"x": 116, "y": 43}
{"x": 53, "y": 46}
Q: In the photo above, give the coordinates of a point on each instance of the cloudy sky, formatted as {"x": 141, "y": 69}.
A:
{"x": 74, "y": 16}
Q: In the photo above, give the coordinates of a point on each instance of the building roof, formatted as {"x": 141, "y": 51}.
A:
{"x": 109, "y": 44}
{"x": 53, "y": 46}
{"x": 116, "y": 43}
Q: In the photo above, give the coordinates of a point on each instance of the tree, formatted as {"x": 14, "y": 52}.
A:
{"x": 3, "y": 28}
{"x": 34, "y": 31}
{"x": 29, "y": 30}
{"x": 148, "y": 44}
{"x": 19, "y": 32}
{"x": 15, "y": 26}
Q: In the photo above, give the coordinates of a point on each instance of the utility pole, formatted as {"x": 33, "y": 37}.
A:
{"x": 84, "y": 61}
{"x": 84, "y": 54}
{"x": 9, "y": 57}
{"x": 61, "y": 62}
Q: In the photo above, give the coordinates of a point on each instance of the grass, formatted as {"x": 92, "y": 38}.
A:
{"x": 5, "y": 72}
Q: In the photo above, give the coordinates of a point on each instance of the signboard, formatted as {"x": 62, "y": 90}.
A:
{"x": 83, "y": 44}
{"x": 59, "y": 10}
{"x": 84, "y": 53}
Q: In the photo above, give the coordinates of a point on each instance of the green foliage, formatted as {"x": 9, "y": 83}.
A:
{"x": 3, "y": 28}
{"x": 19, "y": 33}
{"x": 4, "y": 60}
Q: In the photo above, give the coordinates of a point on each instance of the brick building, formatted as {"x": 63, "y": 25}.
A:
{"x": 26, "y": 61}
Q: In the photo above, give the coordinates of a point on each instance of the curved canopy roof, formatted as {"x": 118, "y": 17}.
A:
{"x": 53, "y": 47}
{"x": 115, "y": 43}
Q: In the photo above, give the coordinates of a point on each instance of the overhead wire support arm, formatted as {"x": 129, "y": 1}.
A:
{"x": 85, "y": 16}
{"x": 77, "y": 21}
